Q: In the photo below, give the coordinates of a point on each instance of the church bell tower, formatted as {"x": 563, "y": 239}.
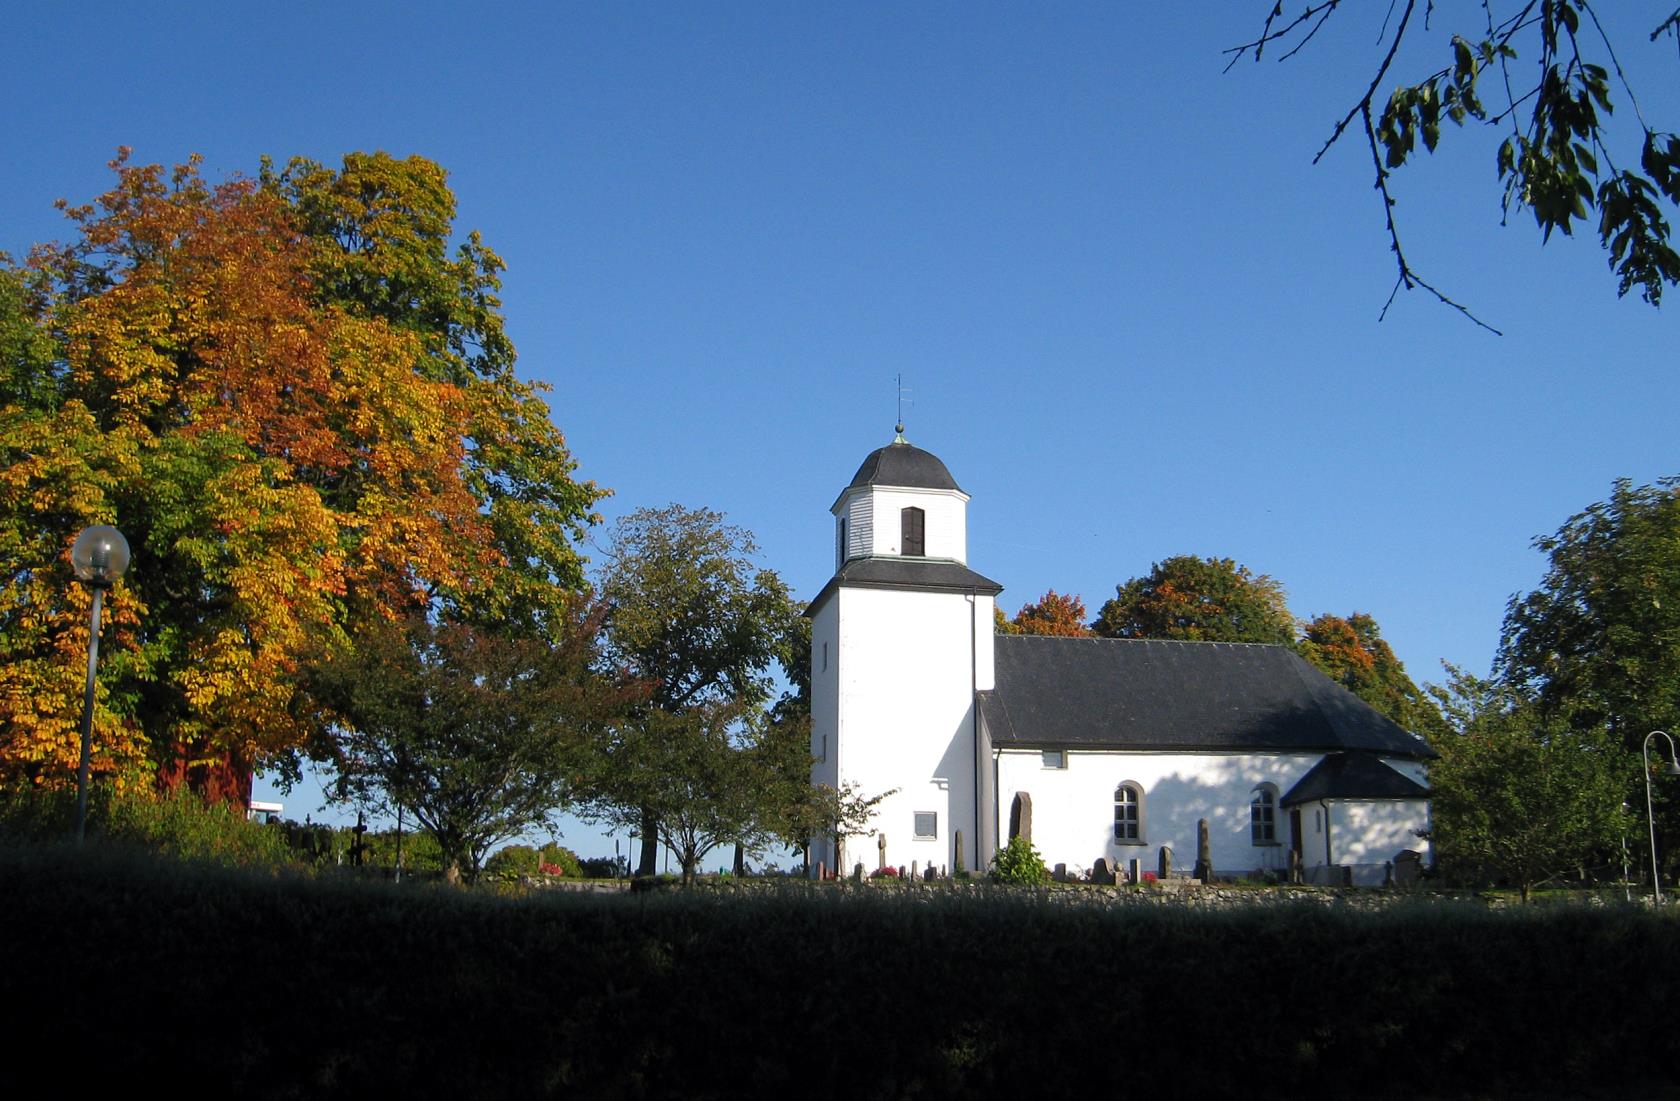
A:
{"x": 901, "y": 641}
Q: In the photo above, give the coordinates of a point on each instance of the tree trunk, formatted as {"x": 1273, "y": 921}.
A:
{"x": 452, "y": 871}
{"x": 688, "y": 863}
{"x": 648, "y": 864}
{"x": 740, "y": 860}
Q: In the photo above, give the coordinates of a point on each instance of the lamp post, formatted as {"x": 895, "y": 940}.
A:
{"x": 99, "y": 557}
{"x": 1650, "y": 814}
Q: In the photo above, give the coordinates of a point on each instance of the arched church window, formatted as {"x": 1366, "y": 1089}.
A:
{"x": 1128, "y": 814}
{"x": 1262, "y": 815}
{"x": 912, "y": 525}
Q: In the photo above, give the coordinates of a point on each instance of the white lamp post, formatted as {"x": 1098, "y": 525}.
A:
{"x": 1650, "y": 815}
{"x": 99, "y": 558}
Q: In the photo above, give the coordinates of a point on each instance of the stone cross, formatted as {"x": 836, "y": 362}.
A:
{"x": 881, "y": 848}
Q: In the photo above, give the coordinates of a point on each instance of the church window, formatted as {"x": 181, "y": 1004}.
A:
{"x": 1262, "y": 815}
{"x": 1055, "y": 758}
{"x": 927, "y": 825}
{"x": 913, "y": 524}
{"x": 1128, "y": 814}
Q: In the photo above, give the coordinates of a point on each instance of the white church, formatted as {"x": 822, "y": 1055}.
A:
{"x": 1097, "y": 749}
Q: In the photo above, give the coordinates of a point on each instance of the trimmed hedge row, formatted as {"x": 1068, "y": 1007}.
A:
{"x": 133, "y": 970}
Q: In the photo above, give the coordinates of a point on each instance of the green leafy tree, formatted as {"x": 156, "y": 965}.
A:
{"x": 1543, "y": 77}
{"x": 479, "y": 734}
{"x": 1199, "y": 599}
{"x": 830, "y": 814}
{"x": 697, "y": 619}
{"x": 1353, "y": 653}
{"x": 701, "y": 775}
{"x": 1599, "y": 639}
{"x": 1521, "y": 797}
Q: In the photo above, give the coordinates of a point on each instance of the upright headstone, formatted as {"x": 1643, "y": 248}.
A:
{"x": 1134, "y": 871}
{"x": 959, "y": 866}
{"x": 881, "y": 851}
{"x": 1408, "y": 868}
{"x": 1164, "y": 863}
{"x": 1059, "y": 873}
{"x": 1102, "y": 873}
{"x": 1020, "y": 816}
{"x": 913, "y": 875}
{"x": 1204, "y": 853}
{"x": 857, "y": 872}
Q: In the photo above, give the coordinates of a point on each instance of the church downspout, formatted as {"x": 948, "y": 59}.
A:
{"x": 974, "y": 704}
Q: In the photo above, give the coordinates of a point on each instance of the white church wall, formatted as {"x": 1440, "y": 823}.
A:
{"x": 1073, "y": 807}
{"x": 1372, "y": 832}
{"x": 903, "y": 679}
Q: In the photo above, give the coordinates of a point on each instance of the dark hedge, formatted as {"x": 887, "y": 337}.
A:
{"x": 118, "y": 970}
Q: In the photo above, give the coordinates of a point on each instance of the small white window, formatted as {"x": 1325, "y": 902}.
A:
{"x": 1055, "y": 758}
{"x": 1262, "y": 815}
{"x": 1128, "y": 814}
{"x": 927, "y": 825}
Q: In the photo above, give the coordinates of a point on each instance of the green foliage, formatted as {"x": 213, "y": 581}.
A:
{"x": 512, "y": 861}
{"x": 1519, "y": 797}
{"x": 560, "y": 857}
{"x": 1018, "y": 863}
{"x": 477, "y": 734}
{"x": 178, "y": 824}
{"x": 697, "y": 620}
{"x": 1599, "y": 640}
{"x": 1558, "y": 156}
{"x": 1199, "y": 599}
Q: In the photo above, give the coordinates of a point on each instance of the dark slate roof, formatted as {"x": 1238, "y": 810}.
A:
{"x": 1353, "y": 776}
{"x": 901, "y": 464}
{"x": 896, "y": 572}
{"x": 1145, "y": 694}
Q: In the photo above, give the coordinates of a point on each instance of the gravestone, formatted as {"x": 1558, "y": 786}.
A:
{"x": 1059, "y": 873}
{"x": 1020, "y": 816}
{"x": 881, "y": 850}
{"x": 857, "y": 872}
{"x": 1164, "y": 863}
{"x": 1134, "y": 870}
{"x": 913, "y": 875}
{"x": 1102, "y": 873}
{"x": 1204, "y": 853}
{"x": 1408, "y": 868}
{"x": 1294, "y": 866}
{"x": 959, "y": 864}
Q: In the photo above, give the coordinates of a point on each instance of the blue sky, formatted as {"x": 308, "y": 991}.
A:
{"x": 1135, "y": 320}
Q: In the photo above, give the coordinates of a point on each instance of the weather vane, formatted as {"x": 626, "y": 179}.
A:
{"x": 899, "y": 427}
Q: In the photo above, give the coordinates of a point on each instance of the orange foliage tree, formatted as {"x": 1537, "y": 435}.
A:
{"x": 1053, "y": 614}
{"x": 303, "y": 414}
{"x": 1353, "y": 653}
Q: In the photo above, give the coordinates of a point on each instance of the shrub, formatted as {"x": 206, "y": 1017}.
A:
{"x": 512, "y": 861}
{"x": 561, "y": 858}
{"x": 178, "y": 823}
{"x": 1019, "y": 863}
{"x": 600, "y": 867}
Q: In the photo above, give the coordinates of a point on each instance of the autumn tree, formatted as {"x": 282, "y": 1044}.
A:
{"x": 1540, "y": 78}
{"x": 1353, "y": 653}
{"x": 1052, "y": 614}
{"x": 303, "y": 424}
{"x": 1198, "y": 599}
{"x": 478, "y": 732}
{"x": 694, "y": 615}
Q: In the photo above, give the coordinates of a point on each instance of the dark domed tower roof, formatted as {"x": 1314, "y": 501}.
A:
{"x": 900, "y": 464}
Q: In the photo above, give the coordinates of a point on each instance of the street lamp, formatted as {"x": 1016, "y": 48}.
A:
{"x": 1650, "y": 815}
{"x": 99, "y": 558}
